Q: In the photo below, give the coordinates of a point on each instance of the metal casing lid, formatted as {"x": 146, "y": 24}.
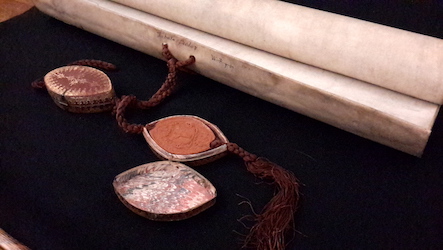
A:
{"x": 80, "y": 89}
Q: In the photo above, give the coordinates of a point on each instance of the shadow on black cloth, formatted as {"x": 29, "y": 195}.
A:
{"x": 57, "y": 168}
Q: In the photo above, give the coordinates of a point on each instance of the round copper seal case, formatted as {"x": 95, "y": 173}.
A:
{"x": 80, "y": 89}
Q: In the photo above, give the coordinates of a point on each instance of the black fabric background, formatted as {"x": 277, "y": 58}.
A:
{"x": 57, "y": 168}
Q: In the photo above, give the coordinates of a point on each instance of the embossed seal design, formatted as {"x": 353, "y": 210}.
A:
{"x": 77, "y": 81}
{"x": 182, "y": 135}
{"x": 164, "y": 191}
{"x": 186, "y": 138}
{"x": 80, "y": 89}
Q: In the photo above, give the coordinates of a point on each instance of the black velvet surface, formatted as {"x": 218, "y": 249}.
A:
{"x": 57, "y": 168}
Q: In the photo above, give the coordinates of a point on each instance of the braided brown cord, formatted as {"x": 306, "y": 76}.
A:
{"x": 40, "y": 83}
{"x": 277, "y": 217}
{"x": 168, "y": 86}
{"x": 121, "y": 105}
{"x": 95, "y": 63}
{"x": 165, "y": 90}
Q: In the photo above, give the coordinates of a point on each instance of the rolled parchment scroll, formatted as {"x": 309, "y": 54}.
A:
{"x": 370, "y": 111}
{"x": 399, "y": 60}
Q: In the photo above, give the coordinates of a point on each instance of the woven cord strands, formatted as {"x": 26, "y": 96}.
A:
{"x": 96, "y": 64}
{"x": 165, "y": 90}
{"x": 277, "y": 218}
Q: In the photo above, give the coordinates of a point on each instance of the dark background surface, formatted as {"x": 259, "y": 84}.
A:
{"x": 57, "y": 168}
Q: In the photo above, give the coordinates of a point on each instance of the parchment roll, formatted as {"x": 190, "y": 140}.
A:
{"x": 399, "y": 60}
{"x": 370, "y": 111}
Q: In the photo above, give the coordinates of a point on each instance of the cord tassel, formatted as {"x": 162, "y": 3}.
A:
{"x": 277, "y": 218}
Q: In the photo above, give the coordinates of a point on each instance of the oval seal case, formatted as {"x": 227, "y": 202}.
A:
{"x": 80, "y": 89}
{"x": 185, "y": 138}
{"x": 164, "y": 191}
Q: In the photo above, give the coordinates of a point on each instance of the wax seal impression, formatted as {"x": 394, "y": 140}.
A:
{"x": 80, "y": 89}
{"x": 164, "y": 191}
{"x": 182, "y": 135}
{"x": 186, "y": 138}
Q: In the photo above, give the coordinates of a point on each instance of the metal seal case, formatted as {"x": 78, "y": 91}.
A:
{"x": 80, "y": 89}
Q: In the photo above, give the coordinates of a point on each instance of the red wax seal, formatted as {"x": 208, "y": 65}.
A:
{"x": 182, "y": 135}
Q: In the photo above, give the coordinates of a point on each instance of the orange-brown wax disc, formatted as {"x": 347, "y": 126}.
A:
{"x": 182, "y": 135}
